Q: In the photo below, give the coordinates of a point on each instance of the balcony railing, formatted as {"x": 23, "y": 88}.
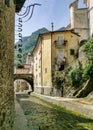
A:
{"x": 60, "y": 43}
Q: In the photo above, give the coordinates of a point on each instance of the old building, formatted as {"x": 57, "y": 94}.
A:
{"x": 22, "y": 69}
{"x": 89, "y": 4}
{"x": 54, "y": 51}
{"x": 27, "y": 68}
{"x": 82, "y": 19}
{"x": 29, "y": 61}
{"x": 7, "y": 20}
{"x": 79, "y": 20}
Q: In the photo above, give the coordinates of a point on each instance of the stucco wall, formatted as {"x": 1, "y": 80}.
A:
{"x": 72, "y": 43}
{"x": 37, "y": 68}
{"x": 49, "y": 50}
{"x": 46, "y": 60}
{"x": 42, "y": 65}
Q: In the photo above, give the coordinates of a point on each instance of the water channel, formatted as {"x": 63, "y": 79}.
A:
{"x": 44, "y": 116}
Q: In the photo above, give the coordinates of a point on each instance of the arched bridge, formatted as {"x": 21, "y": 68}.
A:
{"x": 27, "y": 77}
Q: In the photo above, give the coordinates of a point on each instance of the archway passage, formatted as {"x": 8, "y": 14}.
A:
{"x": 27, "y": 77}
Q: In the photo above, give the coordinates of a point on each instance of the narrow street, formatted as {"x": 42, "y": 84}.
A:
{"x": 41, "y": 115}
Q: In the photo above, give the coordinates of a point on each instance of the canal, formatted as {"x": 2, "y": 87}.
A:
{"x": 41, "y": 115}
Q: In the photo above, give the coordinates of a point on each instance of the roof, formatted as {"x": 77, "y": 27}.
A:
{"x": 59, "y": 31}
{"x": 50, "y": 33}
{"x": 19, "y": 4}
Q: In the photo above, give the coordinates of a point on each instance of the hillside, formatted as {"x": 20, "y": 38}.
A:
{"x": 28, "y": 44}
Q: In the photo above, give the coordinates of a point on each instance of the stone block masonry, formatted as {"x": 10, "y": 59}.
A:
{"x": 7, "y": 14}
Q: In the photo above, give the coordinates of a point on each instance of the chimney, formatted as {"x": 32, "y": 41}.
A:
{"x": 52, "y": 26}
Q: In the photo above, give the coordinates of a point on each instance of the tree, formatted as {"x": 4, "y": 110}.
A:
{"x": 88, "y": 49}
{"x": 58, "y": 81}
{"x": 75, "y": 75}
{"x": 88, "y": 70}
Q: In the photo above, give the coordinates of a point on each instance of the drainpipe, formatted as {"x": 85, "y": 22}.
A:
{"x": 41, "y": 64}
{"x": 52, "y": 26}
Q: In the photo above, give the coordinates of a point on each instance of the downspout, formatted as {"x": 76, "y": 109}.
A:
{"x": 41, "y": 67}
{"x": 51, "y": 59}
{"x": 52, "y": 31}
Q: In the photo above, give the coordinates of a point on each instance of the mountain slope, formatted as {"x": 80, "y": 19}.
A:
{"x": 28, "y": 44}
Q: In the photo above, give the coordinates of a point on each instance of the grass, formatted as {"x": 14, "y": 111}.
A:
{"x": 53, "y": 117}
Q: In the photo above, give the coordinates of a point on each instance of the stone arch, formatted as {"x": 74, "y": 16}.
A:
{"x": 26, "y": 77}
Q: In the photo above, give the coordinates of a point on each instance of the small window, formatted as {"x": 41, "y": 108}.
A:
{"x": 61, "y": 67}
{"x": 45, "y": 70}
{"x": 60, "y": 53}
{"x": 60, "y": 40}
{"x": 72, "y": 51}
{"x": 36, "y": 76}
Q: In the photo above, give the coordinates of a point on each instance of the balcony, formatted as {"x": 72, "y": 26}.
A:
{"x": 60, "y": 43}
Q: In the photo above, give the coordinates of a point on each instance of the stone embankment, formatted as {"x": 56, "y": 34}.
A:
{"x": 75, "y": 104}
{"x": 37, "y": 112}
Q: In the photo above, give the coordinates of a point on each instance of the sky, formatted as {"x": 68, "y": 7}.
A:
{"x": 56, "y": 11}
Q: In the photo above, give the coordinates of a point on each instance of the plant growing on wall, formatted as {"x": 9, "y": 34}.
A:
{"x": 58, "y": 80}
{"x": 75, "y": 75}
{"x": 88, "y": 49}
{"x": 88, "y": 70}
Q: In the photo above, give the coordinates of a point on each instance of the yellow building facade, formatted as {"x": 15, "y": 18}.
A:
{"x": 54, "y": 51}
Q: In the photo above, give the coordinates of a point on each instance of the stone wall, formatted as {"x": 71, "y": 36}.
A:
{"x": 79, "y": 20}
{"x": 90, "y": 14}
{"x": 6, "y": 65}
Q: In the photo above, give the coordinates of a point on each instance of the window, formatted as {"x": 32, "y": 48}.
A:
{"x": 72, "y": 52}
{"x": 45, "y": 70}
{"x": 60, "y": 60}
{"x": 61, "y": 67}
{"x": 36, "y": 76}
{"x": 60, "y": 40}
{"x": 39, "y": 62}
{"x": 36, "y": 67}
{"x": 60, "y": 55}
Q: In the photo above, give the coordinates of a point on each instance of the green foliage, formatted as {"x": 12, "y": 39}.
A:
{"x": 28, "y": 44}
{"x": 88, "y": 71}
{"x": 88, "y": 49}
{"x": 57, "y": 79}
{"x": 75, "y": 75}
